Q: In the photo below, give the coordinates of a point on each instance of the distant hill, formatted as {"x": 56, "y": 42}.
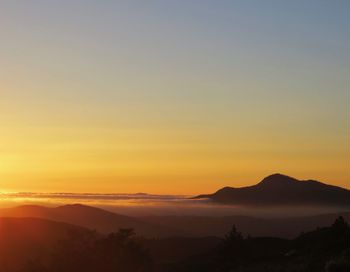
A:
{"x": 279, "y": 189}
{"x": 168, "y": 226}
{"x": 90, "y": 217}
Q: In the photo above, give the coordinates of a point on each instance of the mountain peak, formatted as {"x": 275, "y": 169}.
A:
{"x": 277, "y": 179}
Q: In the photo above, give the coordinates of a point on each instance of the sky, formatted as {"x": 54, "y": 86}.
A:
{"x": 172, "y": 97}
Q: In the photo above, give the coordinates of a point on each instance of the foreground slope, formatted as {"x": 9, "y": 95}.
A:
{"x": 23, "y": 239}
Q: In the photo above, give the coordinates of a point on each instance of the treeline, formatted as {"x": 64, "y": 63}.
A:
{"x": 325, "y": 249}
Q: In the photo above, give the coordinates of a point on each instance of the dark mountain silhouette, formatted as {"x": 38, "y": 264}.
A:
{"x": 90, "y": 217}
{"x": 279, "y": 189}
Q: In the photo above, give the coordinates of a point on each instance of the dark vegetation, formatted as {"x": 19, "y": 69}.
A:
{"x": 89, "y": 252}
{"x": 324, "y": 249}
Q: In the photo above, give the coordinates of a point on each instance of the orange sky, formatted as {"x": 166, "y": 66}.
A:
{"x": 171, "y": 98}
{"x": 110, "y": 159}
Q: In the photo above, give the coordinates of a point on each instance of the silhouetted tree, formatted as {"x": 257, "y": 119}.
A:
{"x": 121, "y": 252}
{"x": 340, "y": 224}
{"x": 233, "y": 235}
{"x": 233, "y": 252}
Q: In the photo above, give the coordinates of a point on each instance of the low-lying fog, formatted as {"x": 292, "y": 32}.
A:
{"x": 158, "y": 205}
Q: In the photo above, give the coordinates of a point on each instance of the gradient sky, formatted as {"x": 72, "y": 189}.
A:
{"x": 172, "y": 96}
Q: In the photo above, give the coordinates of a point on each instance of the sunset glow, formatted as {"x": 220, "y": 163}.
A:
{"x": 164, "y": 99}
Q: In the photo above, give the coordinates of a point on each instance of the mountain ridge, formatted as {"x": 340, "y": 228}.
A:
{"x": 279, "y": 189}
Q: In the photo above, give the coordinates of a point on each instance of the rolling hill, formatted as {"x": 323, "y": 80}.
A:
{"x": 169, "y": 226}
{"x": 90, "y": 217}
